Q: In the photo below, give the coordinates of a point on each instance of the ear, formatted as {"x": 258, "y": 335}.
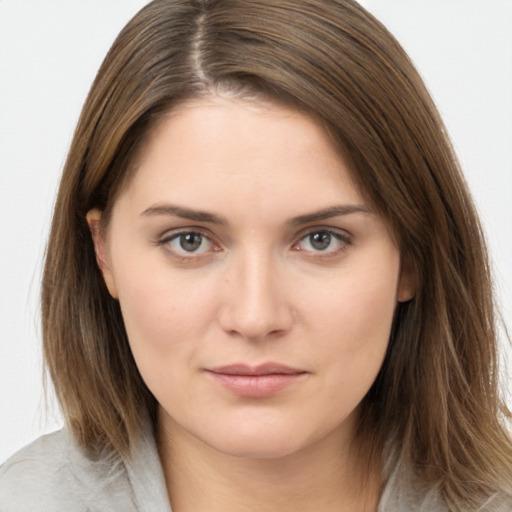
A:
{"x": 406, "y": 284}
{"x": 93, "y": 218}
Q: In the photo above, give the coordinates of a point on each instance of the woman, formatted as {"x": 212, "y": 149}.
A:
{"x": 266, "y": 285}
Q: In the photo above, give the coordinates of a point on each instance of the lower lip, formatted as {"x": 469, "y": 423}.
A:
{"x": 256, "y": 386}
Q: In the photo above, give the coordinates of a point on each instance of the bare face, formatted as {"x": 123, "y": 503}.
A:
{"x": 257, "y": 287}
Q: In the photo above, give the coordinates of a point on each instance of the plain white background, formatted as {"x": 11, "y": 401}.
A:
{"x": 49, "y": 54}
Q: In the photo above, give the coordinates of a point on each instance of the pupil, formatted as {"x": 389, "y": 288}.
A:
{"x": 190, "y": 242}
{"x": 320, "y": 241}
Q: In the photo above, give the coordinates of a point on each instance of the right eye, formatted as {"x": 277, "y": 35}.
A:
{"x": 188, "y": 243}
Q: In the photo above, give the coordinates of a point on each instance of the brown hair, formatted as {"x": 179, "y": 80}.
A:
{"x": 438, "y": 388}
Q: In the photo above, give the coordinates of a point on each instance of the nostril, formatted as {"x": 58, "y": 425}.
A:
{"x": 257, "y": 337}
{"x": 252, "y": 303}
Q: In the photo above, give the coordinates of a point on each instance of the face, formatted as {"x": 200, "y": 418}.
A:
{"x": 257, "y": 287}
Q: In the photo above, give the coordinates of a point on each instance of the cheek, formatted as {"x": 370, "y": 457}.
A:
{"x": 369, "y": 314}
{"x": 163, "y": 310}
{"x": 360, "y": 304}
{"x": 165, "y": 324}
{"x": 356, "y": 318}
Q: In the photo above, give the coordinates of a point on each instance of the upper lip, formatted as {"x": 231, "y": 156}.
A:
{"x": 262, "y": 369}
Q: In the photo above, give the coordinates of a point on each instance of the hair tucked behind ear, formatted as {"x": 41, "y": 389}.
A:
{"x": 437, "y": 394}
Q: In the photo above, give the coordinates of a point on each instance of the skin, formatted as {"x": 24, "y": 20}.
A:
{"x": 258, "y": 288}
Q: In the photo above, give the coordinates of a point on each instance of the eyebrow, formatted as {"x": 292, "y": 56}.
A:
{"x": 327, "y": 213}
{"x": 202, "y": 216}
{"x": 184, "y": 213}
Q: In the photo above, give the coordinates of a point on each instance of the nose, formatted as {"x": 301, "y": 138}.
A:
{"x": 254, "y": 305}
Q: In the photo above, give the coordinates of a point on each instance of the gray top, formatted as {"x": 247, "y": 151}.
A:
{"x": 54, "y": 475}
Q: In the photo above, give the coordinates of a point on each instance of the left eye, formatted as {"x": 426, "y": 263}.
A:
{"x": 189, "y": 242}
{"x": 321, "y": 241}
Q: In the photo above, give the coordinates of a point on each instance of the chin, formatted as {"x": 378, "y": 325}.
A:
{"x": 257, "y": 447}
{"x": 264, "y": 439}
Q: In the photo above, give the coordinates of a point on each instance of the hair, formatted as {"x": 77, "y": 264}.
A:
{"x": 437, "y": 391}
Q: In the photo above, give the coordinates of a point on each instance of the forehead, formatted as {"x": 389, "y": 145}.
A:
{"x": 251, "y": 163}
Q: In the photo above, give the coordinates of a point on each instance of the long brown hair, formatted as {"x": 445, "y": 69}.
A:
{"x": 437, "y": 391}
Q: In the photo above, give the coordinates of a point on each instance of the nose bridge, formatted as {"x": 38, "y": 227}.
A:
{"x": 255, "y": 305}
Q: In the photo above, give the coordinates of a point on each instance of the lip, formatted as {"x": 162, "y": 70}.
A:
{"x": 258, "y": 381}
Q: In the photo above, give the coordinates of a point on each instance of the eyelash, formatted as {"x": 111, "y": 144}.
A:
{"x": 343, "y": 239}
{"x": 187, "y": 256}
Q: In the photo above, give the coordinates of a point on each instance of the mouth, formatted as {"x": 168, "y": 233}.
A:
{"x": 256, "y": 381}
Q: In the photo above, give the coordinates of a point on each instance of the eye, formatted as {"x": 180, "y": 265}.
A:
{"x": 189, "y": 242}
{"x": 323, "y": 241}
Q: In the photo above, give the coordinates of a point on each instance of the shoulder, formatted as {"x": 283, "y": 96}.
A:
{"x": 36, "y": 475}
{"x": 53, "y": 474}
{"x": 404, "y": 491}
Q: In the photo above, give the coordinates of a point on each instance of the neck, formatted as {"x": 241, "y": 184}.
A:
{"x": 320, "y": 477}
